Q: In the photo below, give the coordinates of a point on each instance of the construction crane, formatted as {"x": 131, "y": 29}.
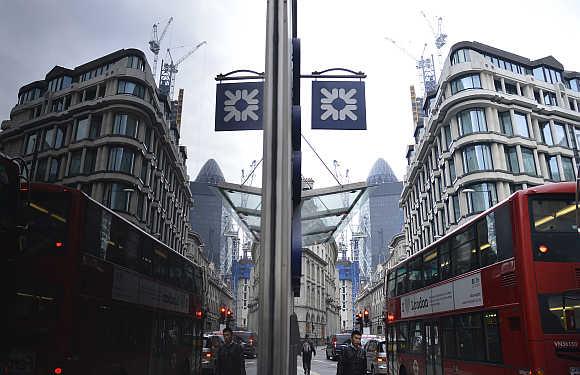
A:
{"x": 169, "y": 70}
{"x": 425, "y": 66}
{"x": 440, "y": 37}
{"x": 155, "y": 43}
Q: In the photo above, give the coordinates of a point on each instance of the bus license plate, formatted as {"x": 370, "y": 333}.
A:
{"x": 574, "y": 370}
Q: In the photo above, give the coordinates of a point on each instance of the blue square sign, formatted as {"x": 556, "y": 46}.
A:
{"x": 338, "y": 105}
{"x": 239, "y": 106}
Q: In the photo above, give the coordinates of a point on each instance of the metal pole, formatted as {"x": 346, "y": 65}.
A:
{"x": 274, "y": 258}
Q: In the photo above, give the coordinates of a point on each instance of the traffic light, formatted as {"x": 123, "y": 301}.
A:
{"x": 366, "y": 316}
{"x": 199, "y": 314}
{"x": 359, "y": 318}
{"x": 229, "y": 315}
{"x": 222, "y": 315}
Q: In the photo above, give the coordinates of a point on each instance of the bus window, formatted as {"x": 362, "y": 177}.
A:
{"x": 415, "y": 274}
{"x": 146, "y": 260}
{"x": 560, "y": 313}
{"x": 430, "y": 269}
{"x": 469, "y": 337}
{"x": 402, "y": 334}
{"x": 124, "y": 244}
{"x": 416, "y": 337}
{"x": 160, "y": 263}
{"x": 492, "y": 342}
{"x": 444, "y": 261}
{"x": 46, "y": 219}
{"x": 487, "y": 240}
{"x": 402, "y": 280}
{"x": 449, "y": 340}
{"x": 464, "y": 252}
{"x": 554, "y": 215}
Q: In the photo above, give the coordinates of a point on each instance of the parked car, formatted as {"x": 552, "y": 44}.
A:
{"x": 249, "y": 342}
{"x": 376, "y": 356}
{"x": 335, "y": 345}
{"x": 211, "y": 344}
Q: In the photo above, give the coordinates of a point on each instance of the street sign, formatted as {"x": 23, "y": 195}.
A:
{"x": 239, "y": 106}
{"x": 338, "y": 105}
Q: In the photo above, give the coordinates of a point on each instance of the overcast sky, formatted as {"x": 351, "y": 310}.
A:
{"x": 38, "y": 34}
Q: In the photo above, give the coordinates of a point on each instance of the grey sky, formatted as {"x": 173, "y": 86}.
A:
{"x": 38, "y": 34}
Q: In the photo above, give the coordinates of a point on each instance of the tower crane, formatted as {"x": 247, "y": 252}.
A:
{"x": 425, "y": 66}
{"x": 440, "y": 37}
{"x": 155, "y": 43}
{"x": 169, "y": 70}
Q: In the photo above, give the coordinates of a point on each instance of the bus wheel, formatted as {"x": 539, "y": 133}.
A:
{"x": 402, "y": 371}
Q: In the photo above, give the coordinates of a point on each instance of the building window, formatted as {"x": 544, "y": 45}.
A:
{"x": 505, "y": 119}
{"x": 83, "y": 129}
{"x": 29, "y": 96}
{"x": 95, "y": 130}
{"x": 511, "y": 157}
{"x": 446, "y": 130}
{"x": 560, "y": 135}
{"x": 59, "y": 83}
{"x": 31, "y": 144}
{"x": 54, "y": 169}
{"x": 497, "y": 85}
{"x": 135, "y": 62}
{"x": 553, "y": 171}
{"x": 480, "y": 197}
{"x": 511, "y": 88}
{"x": 118, "y": 197}
{"x": 547, "y": 75}
{"x": 456, "y": 208}
{"x": 59, "y": 137}
{"x": 75, "y": 163}
{"x": 452, "y": 172}
{"x": 546, "y": 133}
{"x": 121, "y": 160}
{"x": 550, "y": 98}
{"x": 471, "y": 81}
{"x": 568, "y": 168}
{"x": 90, "y": 161}
{"x": 529, "y": 161}
{"x": 460, "y": 56}
{"x": 126, "y": 125}
{"x": 477, "y": 158}
{"x": 41, "y": 169}
{"x": 515, "y": 187}
{"x": 471, "y": 121}
{"x": 521, "y": 125}
{"x": 131, "y": 88}
{"x": 48, "y": 141}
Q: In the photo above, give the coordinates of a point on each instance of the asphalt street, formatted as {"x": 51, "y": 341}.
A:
{"x": 320, "y": 365}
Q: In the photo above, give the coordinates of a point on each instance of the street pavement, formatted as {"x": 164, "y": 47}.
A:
{"x": 320, "y": 365}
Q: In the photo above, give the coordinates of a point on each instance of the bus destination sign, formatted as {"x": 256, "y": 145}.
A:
{"x": 460, "y": 294}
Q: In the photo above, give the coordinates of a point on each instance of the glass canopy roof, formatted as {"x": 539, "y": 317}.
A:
{"x": 325, "y": 211}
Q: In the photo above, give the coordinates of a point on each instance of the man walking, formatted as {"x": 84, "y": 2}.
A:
{"x": 353, "y": 360}
{"x": 230, "y": 356}
{"x": 307, "y": 352}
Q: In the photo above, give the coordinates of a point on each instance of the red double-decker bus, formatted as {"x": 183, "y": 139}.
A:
{"x": 498, "y": 295}
{"x": 87, "y": 292}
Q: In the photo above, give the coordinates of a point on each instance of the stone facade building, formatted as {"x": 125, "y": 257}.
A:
{"x": 498, "y": 122}
{"x": 317, "y": 308}
{"x": 372, "y": 298}
{"x": 104, "y": 127}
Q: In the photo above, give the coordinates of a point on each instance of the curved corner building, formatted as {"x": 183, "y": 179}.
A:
{"x": 105, "y": 128}
{"x": 498, "y": 122}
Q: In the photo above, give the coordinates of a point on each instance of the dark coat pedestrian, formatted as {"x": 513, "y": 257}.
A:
{"x": 230, "y": 357}
{"x": 353, "y": 359}
{"x": 307, "y": 351}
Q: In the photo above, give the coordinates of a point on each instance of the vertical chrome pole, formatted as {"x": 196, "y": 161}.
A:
{"x": 274, "y": 259}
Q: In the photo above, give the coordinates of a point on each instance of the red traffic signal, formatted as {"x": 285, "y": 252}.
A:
{"x": 229, "y": 313}
{"x": 222, "y": 310}
{"x": 199, "y": 314}
{"x": 366, "y": 313}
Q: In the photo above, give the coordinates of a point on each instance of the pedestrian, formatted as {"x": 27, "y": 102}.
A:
{"x": 307, "y": 352}
{"x": 353, "y": 360}
{"x": 230, "y": 356}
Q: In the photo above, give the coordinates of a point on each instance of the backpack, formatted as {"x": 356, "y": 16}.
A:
{"x": 306, "y": 347}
